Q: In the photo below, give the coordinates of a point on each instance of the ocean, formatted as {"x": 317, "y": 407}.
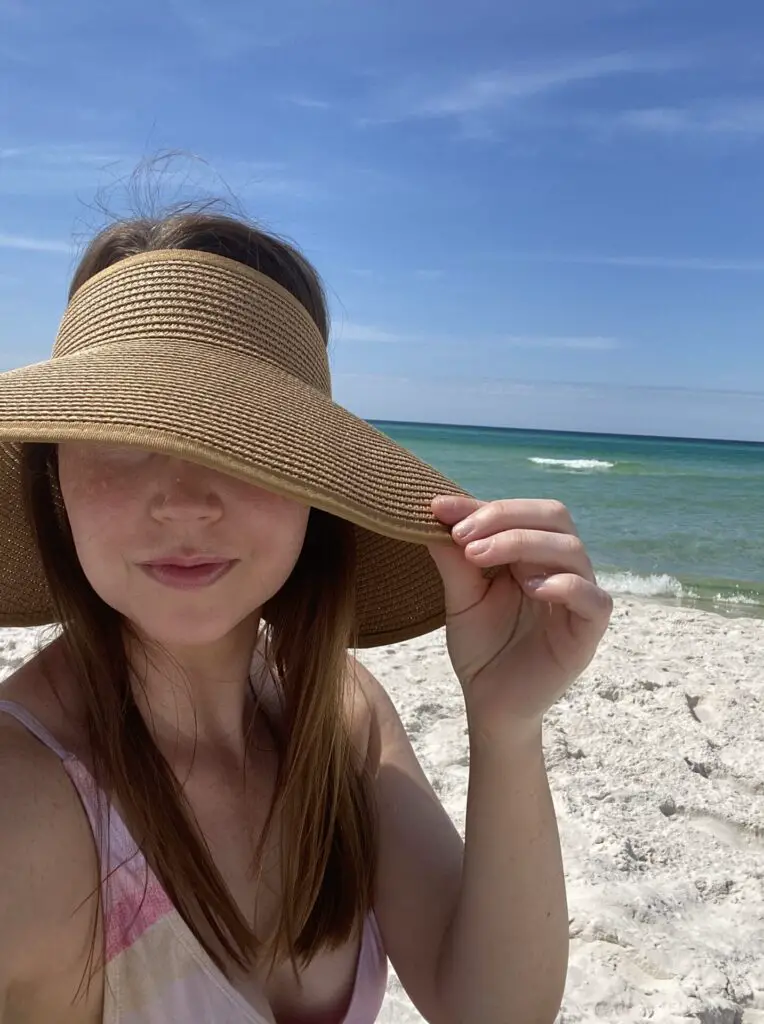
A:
{"x": 674, "y": 519}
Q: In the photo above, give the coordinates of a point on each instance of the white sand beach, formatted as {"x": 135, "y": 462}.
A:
{"x": 656, "y": 759}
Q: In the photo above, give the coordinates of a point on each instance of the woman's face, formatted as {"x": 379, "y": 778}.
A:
{"x": 185, "y": 553}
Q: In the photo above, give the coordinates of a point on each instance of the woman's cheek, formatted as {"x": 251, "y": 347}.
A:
{"x": 99, "y": 508}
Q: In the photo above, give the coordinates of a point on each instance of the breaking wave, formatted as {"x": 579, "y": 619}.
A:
{"x": 631, "y": 584}
{"x": 576, "y": 465}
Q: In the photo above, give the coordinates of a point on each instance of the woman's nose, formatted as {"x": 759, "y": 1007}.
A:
{"x": 185, "y": 493}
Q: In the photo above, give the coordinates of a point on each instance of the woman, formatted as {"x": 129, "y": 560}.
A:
{"x": 241, "y": 831}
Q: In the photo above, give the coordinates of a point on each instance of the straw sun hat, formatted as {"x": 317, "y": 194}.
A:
{"x": 204, "y": 358}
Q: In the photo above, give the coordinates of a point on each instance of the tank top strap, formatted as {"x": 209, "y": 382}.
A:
{"x": 35, "y": 726}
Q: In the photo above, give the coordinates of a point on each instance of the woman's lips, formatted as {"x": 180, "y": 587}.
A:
{"x": 187, "y": 577}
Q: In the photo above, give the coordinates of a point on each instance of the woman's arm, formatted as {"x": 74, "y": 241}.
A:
{"x": 482, "y": 938}
{"x": 48, "y": 876}
{"x": 505, "y": 955}
{"x": 475, "y": 933}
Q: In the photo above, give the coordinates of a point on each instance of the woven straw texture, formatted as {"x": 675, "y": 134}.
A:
{"x": 200, "y": 357}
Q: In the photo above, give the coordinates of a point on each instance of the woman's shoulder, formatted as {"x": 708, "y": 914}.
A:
{"x": 45, "y": 838}
{"x": 48, "y": 861}
{"x": 37, "y": 800}
{"x": 371, "y": 713}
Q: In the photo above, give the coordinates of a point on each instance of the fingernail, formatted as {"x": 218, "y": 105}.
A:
{"x": 479, "y": 547}
{"x": 534, "y": 582}
{"x": 463, "y": 530}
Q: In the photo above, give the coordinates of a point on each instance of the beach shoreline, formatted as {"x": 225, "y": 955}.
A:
{"x": 708, "y": 606}
{"x": 737, "y": 603}
{"x": 656, "y": 764}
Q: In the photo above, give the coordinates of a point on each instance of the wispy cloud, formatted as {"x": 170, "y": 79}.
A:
{"x": 309, "y": 102}
{"x": 15, "y": 13}
{"x": 85, "y": 170}
{"x": 743, "y": 117}
{"x": 353, "y": 332}
{"x": 25, "y": 244}
{"x": 489, "y": 91}
{"x": 583, "y": 343}
{"x": 54, "y": 169}
{"x": 699, "y": 263}
{"x": 485, "y": 91}
{"x": 230, "y": 30}
{"x": 253, "y": 178}
{"x": 63, "y": 154}
{"x": 360, "y": 333}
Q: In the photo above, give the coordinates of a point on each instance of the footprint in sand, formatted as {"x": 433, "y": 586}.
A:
{"x": 704, "y": 710}
{"x": 731, "y": 833}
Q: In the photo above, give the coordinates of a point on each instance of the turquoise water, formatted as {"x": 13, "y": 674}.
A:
{"x": 681, "y": 520}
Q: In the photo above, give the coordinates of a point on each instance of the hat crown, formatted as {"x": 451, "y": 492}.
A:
{"x": 199, "y": 297}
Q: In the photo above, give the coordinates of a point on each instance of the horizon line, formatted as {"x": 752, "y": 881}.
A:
{"x": 574, "y": 433}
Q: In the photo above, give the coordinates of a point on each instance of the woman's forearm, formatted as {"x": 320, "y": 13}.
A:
{"x": 504, "y": 958}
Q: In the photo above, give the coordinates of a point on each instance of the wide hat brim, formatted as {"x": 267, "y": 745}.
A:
{"x": 244, "y": 416}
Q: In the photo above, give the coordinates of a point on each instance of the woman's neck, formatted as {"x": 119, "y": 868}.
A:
{"x": 199, "y": 697}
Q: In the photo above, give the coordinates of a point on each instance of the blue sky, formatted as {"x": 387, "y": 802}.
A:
{"x": 542, "y": 213}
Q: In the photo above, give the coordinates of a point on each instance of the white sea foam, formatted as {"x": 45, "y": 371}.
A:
{"x": 735, "y": 599}
{"x": 573, "y": 464}
{"x": 629, "y": 583}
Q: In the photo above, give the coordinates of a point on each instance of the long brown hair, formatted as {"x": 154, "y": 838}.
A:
{"x": 322, "y": 800}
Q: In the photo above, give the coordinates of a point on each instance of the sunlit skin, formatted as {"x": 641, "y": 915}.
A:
{"x": 518, "y": 641}
{"x": 128, "y": 508}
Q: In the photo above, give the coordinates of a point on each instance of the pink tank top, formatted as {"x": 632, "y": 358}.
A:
{"x": 156, "y": 971}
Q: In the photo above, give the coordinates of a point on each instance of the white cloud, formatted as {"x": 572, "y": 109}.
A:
{"x": 742, "y": 117}
{"x": 309, "y": 102}
{"x": 699, "y": 263}
{"x": 23, "y": 243}
{"x": 487, "y": 91}
{"x": 164, "y": 178}
{"x": 364, "y": 332}
{"x": 481, "y": 92}
{"x": 594, "y": 343}
{"x": 355, "y": 332}
{"x": 16, "y": 13}
{"x": 256, "y": 179}
{"x": 60, "y": 154}
{"x": 55, "y": 169}
{"x": 230, "y": 29}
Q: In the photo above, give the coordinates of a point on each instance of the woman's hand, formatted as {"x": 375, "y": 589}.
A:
{"x": 520, "y": 635}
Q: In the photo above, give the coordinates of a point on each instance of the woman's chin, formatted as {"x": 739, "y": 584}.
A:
{"x": 186, "y": 631}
